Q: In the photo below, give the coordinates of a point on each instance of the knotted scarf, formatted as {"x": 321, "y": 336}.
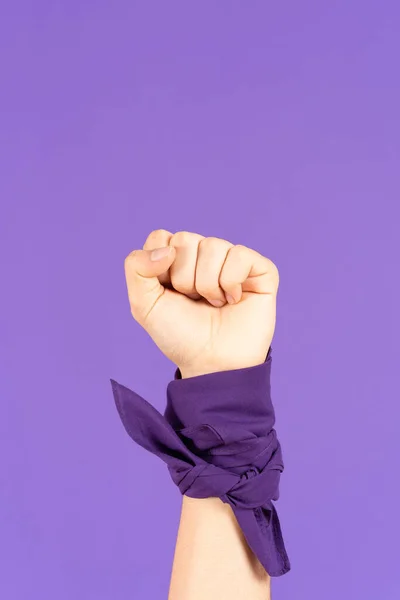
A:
{"x": 217, "y": 438}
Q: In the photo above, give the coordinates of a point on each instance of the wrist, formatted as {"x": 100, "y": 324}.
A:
{"x": 196, "y": 370}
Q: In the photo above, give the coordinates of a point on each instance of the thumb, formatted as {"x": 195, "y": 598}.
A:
{"x": 142, "y": 269}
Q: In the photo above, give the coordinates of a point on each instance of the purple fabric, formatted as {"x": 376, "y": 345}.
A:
{"x": 217, "y": 438}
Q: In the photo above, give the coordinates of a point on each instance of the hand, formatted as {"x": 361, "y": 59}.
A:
{"x": 181, "y": 300}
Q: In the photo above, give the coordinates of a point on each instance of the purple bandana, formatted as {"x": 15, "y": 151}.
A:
{"x": 217, "y": 438}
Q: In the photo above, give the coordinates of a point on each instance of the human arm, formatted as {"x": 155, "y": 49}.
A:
{"x": 175, "y": 300}
{"x": 212, "y": 558}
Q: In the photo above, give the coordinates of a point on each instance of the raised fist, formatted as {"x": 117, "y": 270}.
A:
{"x": 209, "y": 305}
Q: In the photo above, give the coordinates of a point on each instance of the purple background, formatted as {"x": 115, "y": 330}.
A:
{"x": 271, "y": 124}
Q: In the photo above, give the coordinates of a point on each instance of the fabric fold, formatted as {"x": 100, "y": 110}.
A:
{"x": 217, "y": 438}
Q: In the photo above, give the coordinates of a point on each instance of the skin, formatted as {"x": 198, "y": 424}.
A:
{"x": 209, "y": 306}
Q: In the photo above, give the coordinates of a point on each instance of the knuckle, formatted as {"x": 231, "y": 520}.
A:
{"x": 240, "y": 248}
{"x": 210, "y": 241}
{"x": 157, "y": 233}
{"x": 239, "y": 252}
{"x": 181, "y": 238}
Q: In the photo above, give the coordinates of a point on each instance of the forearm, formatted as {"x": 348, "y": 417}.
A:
{"x": 207, "y": 302}
{"x": 212, "y": 558}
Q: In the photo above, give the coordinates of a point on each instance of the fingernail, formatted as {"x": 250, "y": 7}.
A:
{"x": 230, "y": 299}
{"x": 160, "y": 253}
{"x": 217, "y": 303}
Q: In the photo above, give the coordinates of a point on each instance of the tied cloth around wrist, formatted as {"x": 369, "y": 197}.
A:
{"x": 217, "y": 438}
